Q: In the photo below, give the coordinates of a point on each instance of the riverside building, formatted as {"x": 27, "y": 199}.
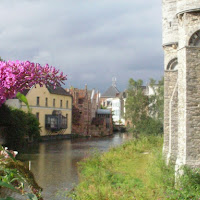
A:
{"x": 52, "y": 106}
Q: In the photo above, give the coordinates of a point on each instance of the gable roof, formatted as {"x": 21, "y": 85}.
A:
{"x": 112, "y": 91}
{"x": 57, "y": 90}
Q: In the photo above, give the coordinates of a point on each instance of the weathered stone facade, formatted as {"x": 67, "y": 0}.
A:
{"x": 85, "y": 118}
{"x": 181, "y": 44}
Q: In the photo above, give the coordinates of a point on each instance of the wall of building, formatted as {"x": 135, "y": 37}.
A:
{"x": 182, "y": 87}
{"x": 15, "y": 103}
{"x": 187, "y": 5}
{"x": 82, "y": 110}
{"x": 170, "y": 22}
{"x": 42, "y": 109}
{"x": 170, "y": 115}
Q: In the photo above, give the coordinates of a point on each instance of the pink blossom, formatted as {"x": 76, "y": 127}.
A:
{"x": 15, "y": 76}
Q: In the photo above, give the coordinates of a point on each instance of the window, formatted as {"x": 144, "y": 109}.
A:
{"x": 54, "y": 103}
{"x": 61, "y": 103}
{"x": 64, "y": 122}
{"x": 67, "y": 104}
{"x": 46, "y": 102}
{"x": 195, "y": 39}
{"x": 173, "y": 64}
{"x": 37, "y": 115}
{"x": 38, "y": 101}
{"x": 56, "y": 122}
{"x": 51, "y": 122}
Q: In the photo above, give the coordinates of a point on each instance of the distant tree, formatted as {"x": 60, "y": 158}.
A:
{"x": 145, "y": 112}
{"x": 136, "y": 104}
{"x": 156, "y": 101}
{"x": 103, "y": 107}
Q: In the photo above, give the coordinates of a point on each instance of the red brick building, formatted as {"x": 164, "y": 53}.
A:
{"x": 86, "y": 117}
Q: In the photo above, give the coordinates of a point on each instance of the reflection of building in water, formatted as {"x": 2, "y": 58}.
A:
{"x": 52, "y": 106}
{"x": 50, "y": 168}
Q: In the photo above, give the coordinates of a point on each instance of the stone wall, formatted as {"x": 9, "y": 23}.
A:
{"x": 170, "y": 22}
{"x": 181, "y": 19}
{"x": 170, "y": 81}
{"x": 193, "y": 106}
{"x": 187, "y": 5}
{"x": 170, "y": 113}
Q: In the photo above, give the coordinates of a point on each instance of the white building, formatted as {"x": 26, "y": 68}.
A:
{"x": 114, "y": 100}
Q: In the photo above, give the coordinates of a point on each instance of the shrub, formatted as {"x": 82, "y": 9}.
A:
{"x": 150, "y": 126}
{"x": 187, "y": 187}
{"x": 18, "y": 125}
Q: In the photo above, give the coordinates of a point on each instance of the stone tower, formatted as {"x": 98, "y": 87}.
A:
{"x": 181, "y": 44}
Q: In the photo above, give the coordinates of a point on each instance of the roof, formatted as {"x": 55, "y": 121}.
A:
{"x": 112, "y": 91}
{"x": 58, "y": 90}
{"x": 103, "y": 111}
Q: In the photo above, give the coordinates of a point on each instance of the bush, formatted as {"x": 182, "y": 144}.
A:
{"x": 150, "y": 126}
{"x": 187, "y": 187}
{"x": 18, "y": 126}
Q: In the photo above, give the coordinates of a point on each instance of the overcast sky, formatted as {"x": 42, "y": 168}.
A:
{"x": 89, "y": 40}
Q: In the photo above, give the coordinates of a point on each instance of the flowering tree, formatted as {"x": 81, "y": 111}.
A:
{"x": 15, "y": 76}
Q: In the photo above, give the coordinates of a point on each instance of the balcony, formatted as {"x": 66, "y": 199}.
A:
{"x": 55, "y": 122}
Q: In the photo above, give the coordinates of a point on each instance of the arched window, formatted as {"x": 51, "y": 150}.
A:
{"x": 195, "y": 39}
{"x": 173, "y": 64}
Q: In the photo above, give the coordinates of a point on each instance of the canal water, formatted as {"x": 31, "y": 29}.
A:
{"x": 54, "y": 163}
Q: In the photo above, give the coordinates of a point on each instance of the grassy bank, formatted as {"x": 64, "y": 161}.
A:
{"x": 134, "y": 170}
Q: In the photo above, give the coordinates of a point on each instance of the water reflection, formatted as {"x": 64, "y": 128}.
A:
{"x": 54, "y": 163}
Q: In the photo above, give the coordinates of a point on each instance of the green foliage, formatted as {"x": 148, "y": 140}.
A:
{"x": 149, "y": 126}
{"x": 135, "y": 170}
{"x": 33, "y": 126}
{"x": 18, "y": 125}
{"x": 156, "y": 101}
{"x": 145, "y": 113}
{"x": 16, "y": 177}
{"x": 103, "y": 107}
{"x": 119, "y": 173}
{"x": 7, "y": 198}
{"x": 187, "y": 187}
{"x": 23, "y": 98}
{"x": 136, "y": 103}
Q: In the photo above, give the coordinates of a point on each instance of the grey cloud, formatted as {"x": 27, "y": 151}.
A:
{"x": 89, "y": 40}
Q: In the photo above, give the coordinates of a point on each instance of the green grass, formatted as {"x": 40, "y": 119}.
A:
{"x": 134, "y": 170}
{"x": 122, "y": 173}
